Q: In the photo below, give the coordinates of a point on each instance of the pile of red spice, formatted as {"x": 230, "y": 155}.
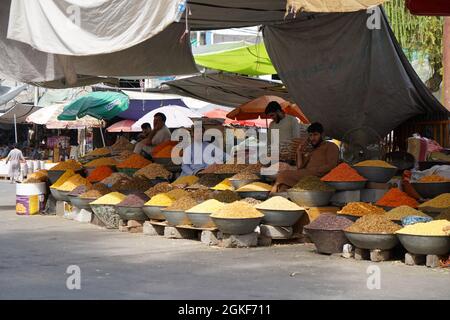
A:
{"x": 100, "y": 173}
{"x": 343, "y": 173}
{"x": 396, "y": 198}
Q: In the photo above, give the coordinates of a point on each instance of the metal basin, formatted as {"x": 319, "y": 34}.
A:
{"x": 347, "y": 186}
{"x": 106, "y": 214}
{"x": 237, "y": 226}
{"x": 310, "y": 198}
{"x": 56, "y": 194}
{"x": 201, "y": 220}
{"x": 372, "y": 241}
{"x": 429, "y": 190}
{"x": 258, "y": 195}
{"x": 81, "y": 203}
{"x": 376, "y": 174}
{"x": 436, "y": 245}
{"x": 64, "y": 195}
{"x": 176, "y": 218}
{"x": 127, "y": 213}
{"x": 281, "y": 218}
{"x": 154, "y": 212}
{"x": 327, "y": 241}
{"x": 240, "y": 183}
{"x": 349, "y": 216}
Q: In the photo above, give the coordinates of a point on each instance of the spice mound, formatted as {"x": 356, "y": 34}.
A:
{"x": 79, "y": 190}
{"x": 97, "y": 191}
{"x": 209, "y": 206}
{"x": 404, "y": 211}
{"x": 66, "y": 165}
{"x": 36, "y": 177}
{"x": 223, "y": 185}
{"x": 245, "y": 176}
{"x": 226, "y": 196}
{"x": 153, "y": 171}
{"x": 343, "y": 173}
{"x": 433, "y": 178}
{"x": 112, "y": 198}
{"x": 182, "y": 204}
{"x": 226, "y": 168}
{"x": 278, "y": 203}
{"x": 135, "y": 200}
{"x": 251, "y": 201}
{"x": 255, "y": 186}
{"x": 311, "y": 183}
{"x": 185, "y": 180}
{"x": 201, "y": 194}
{"x": 101, "y": 162}
{"x": 73, "y": 182}
{"x": 114, "y": 178}
{"x": 360, "y": 209}
{"x": 444, "y": 215}
{"x": 330, "y": 222}
{"x": 206, "y": 182}
{"x": 162, "y": 200}
{"x": 99, "y": 152}
{"x": 161, "y": 187}
{"x": 177, "y": 194}
{"x": 237, "y": 210}
{"x": 432, "y": 228}
{"x": 442, "y": 201}
{"x": 100, "y": 173}
{"x": 374, "y": 223}
{"x": 396, "y": 198}
{"x": 63, "y": 178}
{"x": 375, "y": 163}
{"x": 134, "y": 161}
{"x": 137, "y": 184}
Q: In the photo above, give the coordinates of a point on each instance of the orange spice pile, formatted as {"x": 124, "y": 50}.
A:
{"x": 396, "y": 198}
{"x": 134, "y": 161}
{"x": 343, "y": 173}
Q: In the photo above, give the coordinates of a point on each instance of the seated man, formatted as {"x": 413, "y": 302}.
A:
{"x": 315, "y": 158}
{"x": 288, "y": 126}
{"x": 159, "y": 134}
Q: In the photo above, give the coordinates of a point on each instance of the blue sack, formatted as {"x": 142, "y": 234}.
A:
{"x": 406, "y": 221}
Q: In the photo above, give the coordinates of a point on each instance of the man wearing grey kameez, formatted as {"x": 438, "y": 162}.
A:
{"x": 15, "y": 156}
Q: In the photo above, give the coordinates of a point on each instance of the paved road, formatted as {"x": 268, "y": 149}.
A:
{"x": 36, "y": 251}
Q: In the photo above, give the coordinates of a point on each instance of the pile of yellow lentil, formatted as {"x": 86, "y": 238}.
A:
{"x": 237, "y": 210}
{"x": 432, "y": 228}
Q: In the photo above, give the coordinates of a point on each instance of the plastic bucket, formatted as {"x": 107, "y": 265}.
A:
{"x": 30, "y": 198}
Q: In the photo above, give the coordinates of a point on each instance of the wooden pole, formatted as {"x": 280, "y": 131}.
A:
{"x": 446, "y": 62}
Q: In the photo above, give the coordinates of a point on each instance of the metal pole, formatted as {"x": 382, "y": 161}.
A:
{"x": 446, "y": 62}
{"x": 15, "y": 127}
{"x": 101, "y": 133}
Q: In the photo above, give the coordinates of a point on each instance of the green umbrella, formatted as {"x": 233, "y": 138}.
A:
{"x": 100, "y": 105}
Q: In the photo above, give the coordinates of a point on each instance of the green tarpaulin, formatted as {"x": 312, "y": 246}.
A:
{"x": 235, "y": 57}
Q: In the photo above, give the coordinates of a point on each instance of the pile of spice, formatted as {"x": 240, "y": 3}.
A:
{"x": 101, "y": 162}
{"x": 343, "y": 173}
{"x": 115, "y": 178}
{"x": 396, "y": 198}
{"x": 182, "y": 204}
{"x": 224, "y": 168}
{"x": 178, "y": 193}
{"x": 100, "y": 173}
{"x": 433, "y": 178}
{"x": 112, "y": 198}
{"x": 442, "y": 201}
{"x": 79, "y": 190}
{"x": 37, "y": 177}
{"x": 223, "y": 185}
{"x": 208, "y": 206}
{"x": 162, "y": 200}
{"x": 360, "y": 209}
{"x": 161, "y": 187}
{"x": 245, "y": 176}
{"x": 67, "y": 165}
{"x": 237, "y": 210}
{"x": 164, "y": 150}
{"x": 226, "y": 196}
{"x": 278, "y": 203}
{"x": 432, "y": 228}
{"x": 138, "y": 184}
{"x": 97, "y": 191}
{"x": 255, "y": 186}
{"x": 375, "y": 163}
{"x": 153, "y": 171}
{"x": 99, "y": 152}
{"x": 185, "y": 180}
{"x": 123, "y": 155}
{"x": 201, "y": 194}
{"x": 73, "y": 182}
{"x": 312, "y": 183}
{"x": 206, "y": 182}
{"x": 63, "y": 178}
{"x": 445, "y": 215}
{"x": 404, "y": 211}
{"x": 122, "y": 144}
{"x": 374, "y": 223}
{"x": 134, "y": 161}
{"x": 135, "y": 200}
{"x": 330, "y": 222}
{"x": 252, "y": 201}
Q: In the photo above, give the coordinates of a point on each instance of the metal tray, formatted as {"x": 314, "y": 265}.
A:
{"x": 127, "y": 213}
{"x": 376, "y": 174}
{"x": 310, "y": 198}
{"x": 372, "y": 240}
{"x": 237, "y": 226}
{"x": 201, "y": 220}
{"x": 154, "y": 212}
{"x": 281, "y": 218}
{"x": 176, "y": 218}
{"x": 347, "y": 186}
{"x": 436, "y": 245}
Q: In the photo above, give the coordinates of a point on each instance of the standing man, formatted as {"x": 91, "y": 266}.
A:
{"x": 159, "y": 134}
{"x": 15, "y": 156}
{"x": 288, "y": 126}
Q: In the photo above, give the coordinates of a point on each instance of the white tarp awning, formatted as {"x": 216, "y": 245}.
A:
{"x": 20, "y": 111}
{"x": 80, "y": 27}
{"x": 9, "y": 93}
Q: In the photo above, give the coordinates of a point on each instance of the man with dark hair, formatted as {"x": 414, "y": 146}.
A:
{"x": 159, "y": 134}
{"x": 287, "y": 125}
{"x": 315, "y": 158}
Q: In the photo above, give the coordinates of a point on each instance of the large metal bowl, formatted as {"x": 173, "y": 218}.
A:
{"x": 236, "y": 226}
{"x": 56, "y": 194}
{"x": 240, "y": 183}
{"x": 327, "y": 241}
{"x": 436, "y": 245}
{"x": 372, "y": 241}
{"x": 258, "y": 195}
{"x": 81, "y": 203}
{"x": 54, "y": 175}
{"x": 64, "y": 195}
{"x": 429, "y": 190}
{"x": 106, "y": 214}
{"x": 127, "y": 213}
{"x": 347, "y": 186}
{"x": 310, "y": 198}
{"x": 201, "y": 220}
{"x": 154, "y": 212}
{"x": 176, "y": 218}
{"x": 281, "y": 218}
{"x": 376, "y": 174}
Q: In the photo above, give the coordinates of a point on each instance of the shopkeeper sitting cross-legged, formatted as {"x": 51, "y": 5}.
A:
{"x": 159, "y": 134}
{"x": 315, "y": 158}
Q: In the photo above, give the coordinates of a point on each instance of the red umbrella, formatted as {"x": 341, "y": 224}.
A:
{"x": 122, "y": 126}
{"x": 222, "y": 114}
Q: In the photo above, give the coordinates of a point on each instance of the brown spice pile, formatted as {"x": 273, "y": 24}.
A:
{"x": 226, "y": 196}
{"x": 201, "y": 194}
{"x": 245, "y": 176}
{"x": 182, "y": 204}
{"x": 374, "y": 223}
{"x": 138, "y": 184}
{"x": 153, "y": 171}
{"x": 360, "y": 209}
{"x": 161, "y": 187}
{"x": 206, "y": 182}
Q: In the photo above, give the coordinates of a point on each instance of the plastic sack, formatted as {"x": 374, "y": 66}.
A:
{"x": 406, "y": 221}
